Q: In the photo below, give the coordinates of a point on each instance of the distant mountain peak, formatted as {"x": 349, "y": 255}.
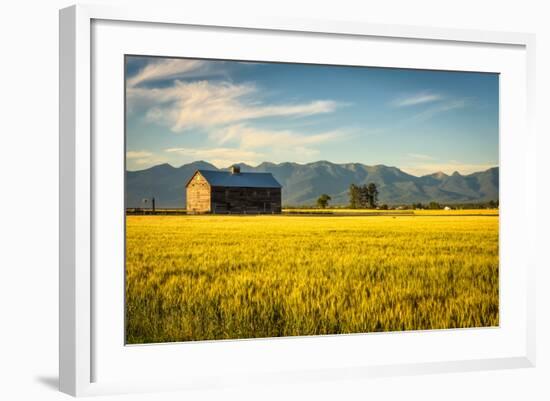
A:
{"x": 199, "y": 164}
{"x": 438, "y": 174}
{"x": 241, "y": 164}
{"x": 163, "y": 166}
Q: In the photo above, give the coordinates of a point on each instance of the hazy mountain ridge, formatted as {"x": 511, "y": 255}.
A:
{"x": 303, "y": 183}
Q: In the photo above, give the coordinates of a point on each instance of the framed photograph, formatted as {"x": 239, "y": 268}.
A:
{"x": 272, "y": 201}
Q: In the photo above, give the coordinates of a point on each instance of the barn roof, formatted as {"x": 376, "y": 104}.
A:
{"x": 243, "y": 180}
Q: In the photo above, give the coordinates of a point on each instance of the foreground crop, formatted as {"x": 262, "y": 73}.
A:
{"x": 224, "y": 277}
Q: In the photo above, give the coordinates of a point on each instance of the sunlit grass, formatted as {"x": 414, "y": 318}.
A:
{"x": 225, "y": 277}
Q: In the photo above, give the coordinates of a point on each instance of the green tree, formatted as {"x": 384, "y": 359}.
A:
{"x": 434, "y": 205}
{"x": 354, "y": 196}
{"x": 364, "y": 196}
{"x": 373, "y": 195}
{"x": 322, "y": 202}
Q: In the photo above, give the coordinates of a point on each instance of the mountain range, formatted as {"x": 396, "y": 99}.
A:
{"x": 304, "y": 183}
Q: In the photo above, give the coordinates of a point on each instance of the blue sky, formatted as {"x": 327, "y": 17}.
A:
{"x": 224, "y": 112}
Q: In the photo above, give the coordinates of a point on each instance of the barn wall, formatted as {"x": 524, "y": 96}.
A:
{"x": 246, "y": 200}
{"x": 198, "y": 195}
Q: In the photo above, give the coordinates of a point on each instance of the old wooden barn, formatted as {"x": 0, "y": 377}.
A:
{"x": 233, "y": 192}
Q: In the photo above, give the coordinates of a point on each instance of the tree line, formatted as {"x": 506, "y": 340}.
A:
{"x": 492, "y": 204}
{"x": 360, "y": 197}
{"x": 366, "y": 196}
{"x": 363, "y": 196}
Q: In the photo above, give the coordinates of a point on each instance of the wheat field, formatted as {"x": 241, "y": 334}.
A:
{"x": 228, "y": 277}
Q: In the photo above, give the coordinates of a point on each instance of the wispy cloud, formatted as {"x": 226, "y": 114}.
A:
{"x": 205, "y": 104}
{"x": 143, "y": 159}
{"x": 441, "y": 108}
{"x": 215, "y": 152}
{"x": 419, "y": 156}
{"x": 220, "y": 157}
{"x": 167, "y": 69}
{"x": 433, "y": 105}
{"x": 138, "y": 154}
{"x": 416, "y": 99}
{"x": 253, "y": 138}
{"x": 222, "y": 111}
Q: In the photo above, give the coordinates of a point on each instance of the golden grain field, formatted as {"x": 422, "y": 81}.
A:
{"x": 227, "y": 277}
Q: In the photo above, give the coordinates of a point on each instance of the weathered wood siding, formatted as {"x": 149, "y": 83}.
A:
{"x": 198, "y": 195}
{"x": 246, "y": 200}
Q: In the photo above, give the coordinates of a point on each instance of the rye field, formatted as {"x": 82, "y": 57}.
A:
{"x": 228, "y": 277}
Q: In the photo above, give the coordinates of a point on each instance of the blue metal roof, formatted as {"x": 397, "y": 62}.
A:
{"x": 243, "y": 180}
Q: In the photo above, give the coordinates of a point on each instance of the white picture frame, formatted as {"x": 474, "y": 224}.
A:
{"x": 82, "y": 343}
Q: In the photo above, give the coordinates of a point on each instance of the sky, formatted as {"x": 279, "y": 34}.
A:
{"x": 224, "y": 112}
